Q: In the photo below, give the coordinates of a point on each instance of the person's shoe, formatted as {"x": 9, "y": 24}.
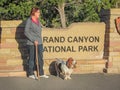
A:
{"x": 33, "y": 77}
{"x": 44, "y": 76}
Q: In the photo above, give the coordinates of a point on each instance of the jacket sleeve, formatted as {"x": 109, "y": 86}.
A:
{"x": 28, "y": 32}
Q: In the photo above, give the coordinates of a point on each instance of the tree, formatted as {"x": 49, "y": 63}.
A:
{"x": 115, "y": 3}
{"x": 15, "y": 9}
{"x": 85, "y": 11}
{"x": 56, "y": 13}
{"x": 59, "y": 5}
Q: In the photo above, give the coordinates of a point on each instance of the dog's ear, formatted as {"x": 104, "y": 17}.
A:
{"x": 69, "y": 62}
{"x": 75, "y": 65}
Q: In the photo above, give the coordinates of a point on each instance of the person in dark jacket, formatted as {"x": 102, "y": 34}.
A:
{"x": 33, "y": 32}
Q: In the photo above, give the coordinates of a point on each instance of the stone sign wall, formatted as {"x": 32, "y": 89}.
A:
{"x": 114, "y": 43}
{"x": 80, "y": 40}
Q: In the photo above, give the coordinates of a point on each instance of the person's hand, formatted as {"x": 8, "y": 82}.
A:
{"x": 36, "y": 43}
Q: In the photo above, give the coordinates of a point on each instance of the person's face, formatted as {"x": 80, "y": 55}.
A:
{"x": 37, "y": 14}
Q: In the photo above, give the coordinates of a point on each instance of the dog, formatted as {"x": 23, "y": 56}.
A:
{"x": 64, "y": 69}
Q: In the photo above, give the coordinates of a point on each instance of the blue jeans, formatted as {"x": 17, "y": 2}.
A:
{"x": 32, "y": 58}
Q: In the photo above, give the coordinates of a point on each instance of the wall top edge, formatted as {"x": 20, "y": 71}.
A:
{"x": 20, "y": 23}
{"x": 115, "y": 11}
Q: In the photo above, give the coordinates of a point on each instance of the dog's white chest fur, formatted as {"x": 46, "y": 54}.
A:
{"x": 64, "y": 68}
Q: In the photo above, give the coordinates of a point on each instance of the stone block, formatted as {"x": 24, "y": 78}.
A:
{"x": 13, "y": 74}
{"x": 14, "y": 62}
{"x": 114, "y": 35}
{"x": 114, "y": 53}
{"x": 18, "y": 74}
{"x": 115, "y": 11}
{"x": 13, "y": 23}
{"x": 113, "y": 70}
{"x": 11, "y": 68}
{"x": 114, "y": 43}
{"x": 116, "y": 58}
{"x": 109, "y": 64}
{"x": 4, "y": 51}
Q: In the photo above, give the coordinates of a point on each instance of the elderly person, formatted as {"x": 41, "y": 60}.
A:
{"x": 33, "y": 33}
